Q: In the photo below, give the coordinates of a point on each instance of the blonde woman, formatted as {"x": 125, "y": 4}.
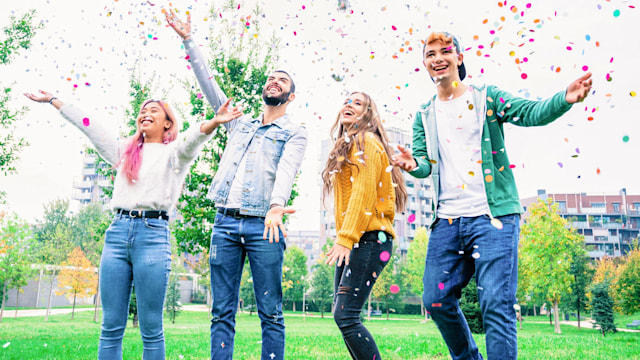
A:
{"x": 367, "y": 193}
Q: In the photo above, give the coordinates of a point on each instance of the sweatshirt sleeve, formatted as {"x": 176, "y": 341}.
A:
{"x": 420, "y": 152}
{"x": 362, "y": 199}
{"x": 103, "y": 137}
{"x": 189, "y": 145}
{"x": 523, "y": 112}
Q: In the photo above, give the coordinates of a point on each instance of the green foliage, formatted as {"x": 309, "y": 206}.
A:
{"x": 241, "y": 69}
{"x": 470, "y": 306}
{"x": 602, "y": 308}
{"x": 88, "y": 227}
{"x": 627, "y": 288}
{"x": 172, "y": 302}
{"x": 413, "y": 269}
{"x": 247, "y": 295}
{"x": 17, "y": 35}
{"x": 133, "y": 307}
{"x": 547, "y": 249}
{"x": 322, "y": 278}
{"x": 582, "y": 273}
{"x": 293, "y": 274}
{"x": 15, "y": 255}
{"x": 53, "y": 233}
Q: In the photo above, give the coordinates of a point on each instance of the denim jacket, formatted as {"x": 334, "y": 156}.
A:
{"x": 274, "y": 151}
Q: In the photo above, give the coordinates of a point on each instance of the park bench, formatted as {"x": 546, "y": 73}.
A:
{"x": 376, "y": 312}
{"x": 634, "y": 324}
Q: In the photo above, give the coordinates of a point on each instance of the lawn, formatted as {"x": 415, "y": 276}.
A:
{"x": 307, "y": 338}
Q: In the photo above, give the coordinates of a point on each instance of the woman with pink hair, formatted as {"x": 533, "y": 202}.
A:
{"x": 151, "y": 168}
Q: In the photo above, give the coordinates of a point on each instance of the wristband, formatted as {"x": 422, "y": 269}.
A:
{"x": 273, "y": 205}
{"x": 51, "y": 100}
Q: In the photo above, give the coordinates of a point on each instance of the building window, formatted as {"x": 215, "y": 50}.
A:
{"x": 636, "y": 206}
{"x": 597, "y": 205}
{"x": 616, "y": 207}
{"x": 562, "y": 205}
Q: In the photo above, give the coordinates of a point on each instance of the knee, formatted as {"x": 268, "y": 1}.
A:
{"x": 344, "y": 319}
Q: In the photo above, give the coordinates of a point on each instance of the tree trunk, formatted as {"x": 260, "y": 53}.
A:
{"x": 534, "y": 310}
{"x": 38, "y": 293}
{"x": 294, "y": 305}
{"x": 322, "y": 309}
{"x": 97, "y": 301}
{"x": 4, "y": 291}
{"x": 73, "y": 309}
{"x": 15, "y": 315}
{"x": 369, "y": 308}
{"x": 135, "y": 320}
{"x": 578, "y": 318}
{"x": 46, "y": 314}
{"x": 557, "y": 316}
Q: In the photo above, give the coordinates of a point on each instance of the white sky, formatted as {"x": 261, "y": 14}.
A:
{"x": 81, "y": 41}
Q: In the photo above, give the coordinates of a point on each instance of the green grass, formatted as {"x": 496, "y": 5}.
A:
{"x": 313, "y": 338}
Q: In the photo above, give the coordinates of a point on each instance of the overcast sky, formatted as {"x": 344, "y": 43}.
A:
{"x": 87, "y": 50}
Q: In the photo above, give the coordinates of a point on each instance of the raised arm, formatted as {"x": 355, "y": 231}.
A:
{"x": 215, "y": 96}
{"x": 104, "y": 138}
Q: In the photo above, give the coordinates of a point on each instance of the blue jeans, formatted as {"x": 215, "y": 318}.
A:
{"x": 136, "y": 251}
{"x": 457, "y": 250}
{"x": 352, "y": 286}
{"x": 232, "y": 240}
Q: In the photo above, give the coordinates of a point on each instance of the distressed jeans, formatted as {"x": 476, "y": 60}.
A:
{"x": 136, "y": 251}
{"x": 232, "y": 240}
{"x": 458, "y": 249}
{"x": 352, "y": 286}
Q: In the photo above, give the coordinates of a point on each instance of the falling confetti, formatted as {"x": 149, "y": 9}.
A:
{"x": 384, "y": 256}
{"x": 394, "y": 289}
{"x": 496, "y": 223}
{"x": 441, "y": 286}
{"x": 411, "y": 218}
{"x": 85, "y": 121}
{"x": 625, "y": 138}
{"x": 382, "y": 236}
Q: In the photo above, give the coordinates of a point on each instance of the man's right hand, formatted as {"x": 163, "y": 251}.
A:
{"x": 183, "y": 29}
{"x": 404, "y": 160}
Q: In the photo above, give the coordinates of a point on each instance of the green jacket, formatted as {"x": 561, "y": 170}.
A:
{"x": 497, "y": 107}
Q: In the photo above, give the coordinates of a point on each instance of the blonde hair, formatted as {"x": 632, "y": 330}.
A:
{"x": 369, "y": 121}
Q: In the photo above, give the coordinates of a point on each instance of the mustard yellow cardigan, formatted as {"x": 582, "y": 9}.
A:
{"x": 364, "y": 198}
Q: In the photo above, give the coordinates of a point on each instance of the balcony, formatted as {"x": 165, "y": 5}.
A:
{"x": 105, "y": 183}
{"x": 91, "y": 171}
{"x": 89, "y": 160}
{"x": 80, "y": 184}
{"x": 82, "y": 196}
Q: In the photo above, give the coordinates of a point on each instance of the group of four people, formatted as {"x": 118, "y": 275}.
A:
{"x": 458, "y": 140}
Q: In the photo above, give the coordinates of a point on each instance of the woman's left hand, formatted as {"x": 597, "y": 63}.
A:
{"x": 338, "y": 253}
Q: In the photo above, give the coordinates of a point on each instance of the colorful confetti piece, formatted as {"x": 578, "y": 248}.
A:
{"x": 385, "y": 256}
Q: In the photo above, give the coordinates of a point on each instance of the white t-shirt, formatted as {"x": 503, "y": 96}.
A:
{"x": 234, "y": 199}
{"x": 459, "y": 127}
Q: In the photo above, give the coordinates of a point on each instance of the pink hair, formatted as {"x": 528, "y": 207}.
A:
{"x": 132, "y": 157}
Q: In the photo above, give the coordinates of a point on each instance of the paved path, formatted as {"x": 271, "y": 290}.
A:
{"x": 41, "y": 312}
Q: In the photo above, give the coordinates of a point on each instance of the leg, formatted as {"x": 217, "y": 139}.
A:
{"x": 355, "y": 284}
{"x": 497, "y": 276}
{"x": 447, "y": 271}
{"x": 115, "y": 289}
{"x": 226, "y": 259}
{"x": 266, "y": 268}
{"x": 151, "y": 260}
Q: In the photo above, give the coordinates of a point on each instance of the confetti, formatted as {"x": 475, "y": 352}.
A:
{"x": 632, "y": 93}
{"x": 616, "y": 13}
{"x": 475, "y": 255}
{"x": 411, "y": 218}
{"x": 394, "y": 289}
{"x": 496, "y": 223}
{"x": 384, "y": 256}
{"x": 85, "y": 121}
{"x": 441, "y": 286}
{"x": 382, "y": 236}
{"x": 625, "y": 138}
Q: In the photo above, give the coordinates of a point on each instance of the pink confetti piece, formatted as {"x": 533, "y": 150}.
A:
{"x": 384, "y": 256}
{"x": 85, "y": 121}
{"x": 441, "y": 286}
{"x": 394, "y": 289}
{"x": 411, "y": 218}
{"x": 585, "y": 68}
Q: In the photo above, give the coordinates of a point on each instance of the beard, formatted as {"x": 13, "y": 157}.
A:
{"x": 275, "y": 100}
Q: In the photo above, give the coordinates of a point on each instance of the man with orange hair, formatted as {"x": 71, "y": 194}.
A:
{"x": 458, "y": 139}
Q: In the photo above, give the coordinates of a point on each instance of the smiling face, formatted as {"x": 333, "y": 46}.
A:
{"x": 277, "y": 89}
{"x": 153, "y": 122}
{"x": 442, "y": 60}
{"x": 352, "y": 110}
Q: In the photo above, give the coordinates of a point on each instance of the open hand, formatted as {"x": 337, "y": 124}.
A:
{"x": 45, "y": 97}
{"x": 183, "y": 29}
{"x": 273, "y": 222}
{"x": 579, "y": 89}
{"x": 404, "y": 159}
{"x": 338, "y": 253}
{"x": 224, "y": 114}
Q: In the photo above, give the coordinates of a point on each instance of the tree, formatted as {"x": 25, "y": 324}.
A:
{"x": 582, "y": 272}
{"x": 247, "y": 295}
{"x": 389, "y": 277}
{"x": 172, "y": 302}
{"x": 53, "y": 241}
{"x": 547, "y": 248}
{"x": 17, "y": 36}
{"x": 322, "y": 278}
{"x": 413, "y": 269}
{"x": 470, "y": 306}
{"x": 77, "y": 277}
{"x": 294, "y": 271}
{"x": 241, "y": 61}
{"x": 15, "y": 256}
{"x": 627, "y": 289}
{"x": 88, "y": 227}
{"x": 602, "y": 308}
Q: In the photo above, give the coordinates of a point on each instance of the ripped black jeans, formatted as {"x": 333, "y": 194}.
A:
{"x": 352, "y": 286}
